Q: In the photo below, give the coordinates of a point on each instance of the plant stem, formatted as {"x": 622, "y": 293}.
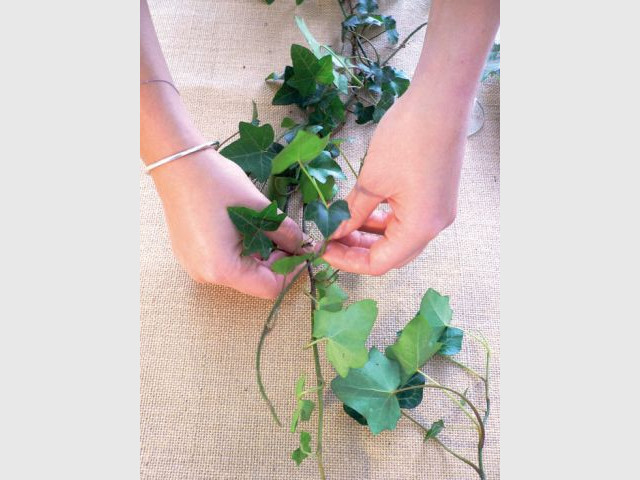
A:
{"x": 348, "y": 163}
{"x": 464, "y": 367}
{"x": 375, "y": 50}
{"x": 344, "y": 13}
{"x": 439, "y": 442}
{"x": 266, "y": 328}
{"x": 226, "y": 140}
{"x": 318, "y": 371}
{"x": 403, "y": 44}
{"x": 454, "y": 400}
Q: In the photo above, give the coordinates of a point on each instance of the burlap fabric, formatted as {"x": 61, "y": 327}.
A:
{"x": 201, "y": 414}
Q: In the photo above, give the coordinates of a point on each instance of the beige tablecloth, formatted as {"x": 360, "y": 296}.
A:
{"x": 201, "y": 414}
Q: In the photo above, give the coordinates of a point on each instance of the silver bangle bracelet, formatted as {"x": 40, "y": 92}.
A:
{"x": 181, "y": 154}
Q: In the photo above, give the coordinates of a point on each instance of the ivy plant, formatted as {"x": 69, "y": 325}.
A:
{"x": 377, "y": 386}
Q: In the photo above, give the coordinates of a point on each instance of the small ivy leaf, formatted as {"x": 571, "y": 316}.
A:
{"x": 274, "y": 77}
{"x": 492, "y": 67}
{"x": 386, "y": 101}
{"x": 288, "y": 123}
{"x": 323, "y": 166}
{"x": 288, "y": 264}
{"x": 346, "y": 332}
{"x": 434, "y": 430}
{"x": 333, "y": 149}
{"x": 366, "y": 7}
{"x": 310, "y": 194}
{"x": 309, "y": 70}
{"x": 304, "y": 450}
{"x": 463, "y": 402}
{"x": 254, "y": 116}
{"x": 251, "y": 223}
{"x": 327, "y": 220}
{"x": 333, "y": 298}
{"x": 364, "y": 114}
{"x": 411, "y": 398}
{"x": 306, "y": 409}
{"x": 395, "y": 80}
{"x": 419, "y": 339}
{"x": 302, "y": 149}
{"x": 287, "y": 95}
{"x": 353, "y": 414}
{"x": 451, "y": 340}
{"x": 389, "y": 24}
{"x": 252, "y": 151}
{"x": 370, "y": 390}
{"x": 299, "y": 2}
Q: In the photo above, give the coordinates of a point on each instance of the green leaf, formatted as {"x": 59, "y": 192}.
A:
{"x": 323, "y": 166}
{"x": 451, "y": 340}
{"x": 309, "y": 70}
{"x": 288, "y": 123}
{"x": 411, "y": 398}
{"x": 309, "y": 192}
{"x": 370, "y": 390}
{"x": 386, "y": 101}
{"x": 304, "y": 407}
{"x": 286, "y": 265}
{"x": 353, "y": 414}
{"x": 434, "y": 430}
{"x": 303, "y": 451}
{"x": 346, "y": 332}
{"x": 327, "y": 220}
{"x": 366, "y": 7}
{"x": 419, "y": 339}
{"x": 303, "y": 148}
{"x": 389, "y": 24}
{"x": 251, "y": 223}
{"x": 287, "y": 95}
{"x": 333, "y": 298}
{"x": 252, "y": 151}
{"x": 364, "y": 114}
{"x": 394, "y": 80}
{"x": 492, "y": 67}
{"x": 274, "y": 77}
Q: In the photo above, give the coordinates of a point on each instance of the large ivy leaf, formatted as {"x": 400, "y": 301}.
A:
{"x": 252, "y": 151}
{"x": 252, "y": 223}
{"x": 304, "y": 450}
{"x": 327, "y": 220}
{"x": 451, "y": 340}
{"x": 346, "y": 332}
{"x": 303, "y": 148}
{"x": 286, "y": 95}
{"x": 308, "y": 70}
{"x": 370, "y": 391}
{"x": 419, "y": 339}
{"x": 411, "y": 398}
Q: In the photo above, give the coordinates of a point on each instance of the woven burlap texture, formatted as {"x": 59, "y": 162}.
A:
{"x": 201, "y": 414}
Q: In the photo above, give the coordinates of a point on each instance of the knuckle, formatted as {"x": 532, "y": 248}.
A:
{"x": 379, "y": 269}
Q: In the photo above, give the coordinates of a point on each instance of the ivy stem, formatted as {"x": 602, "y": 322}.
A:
{"x": 313, "y": 182}
{"x": 226, "y": 140}
{"x": 318, "y": 370}
{"x": 454, "y": 400}
{"x": 375, "y": 50}
{"x": 353, "y": 170}
{"x": 344, "y": 12}
{"x": 266, "y": 328}
{"x": 439, "y": 442}
{"x": 465, "y": 368}
{"x": 404, "y": 43}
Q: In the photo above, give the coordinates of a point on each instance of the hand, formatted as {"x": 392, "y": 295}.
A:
{"x": 413, "y": 163}
{"x": 196, "y": 191}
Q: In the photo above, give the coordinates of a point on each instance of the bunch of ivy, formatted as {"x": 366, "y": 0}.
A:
{"x": 376, "y": 387}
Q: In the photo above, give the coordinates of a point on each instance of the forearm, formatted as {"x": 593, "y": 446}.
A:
{"x": 165, "y": 124}
{"x": 458, "y": 39}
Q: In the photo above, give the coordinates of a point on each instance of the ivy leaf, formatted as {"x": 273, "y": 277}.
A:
{"x": 327, "y": 220}
{"x": 288, "y": 123}
{"x": 304, "y": 407}
{"x": 304, "y": 450}
{"x": 434, "y": 430}
{"x": 492, "y": 67}
{"x": 303, "y": 148}
{"x": 366, "y": 7}
{"x": 274, "y": 77}
{"x": 331, "y": 296}
{"x": 451, "y": 340}
{"x": 411, "y": 398}
{"x": 252, "y": 151}
{"x": 286, "y": 265}
{"x": 353, "y": 414}
{"x": 386, "y": 100}
{"x": 251, "y": 223}
{"x": 310, "y": 194}
{"x": 364, "y": 114}
{"x": 389, "y": 24}
{"x": 395, "y": 80}
{"x": 287, "y": 95}
{"x": 419, "y": 339}
{"x": 309, "y": 70}
{"x": 346, "y": 332}
{"x": 324, "y": 166}
{"x": 370, "y": 390}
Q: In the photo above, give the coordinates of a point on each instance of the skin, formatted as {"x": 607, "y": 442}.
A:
{"x": 422, "y": 187}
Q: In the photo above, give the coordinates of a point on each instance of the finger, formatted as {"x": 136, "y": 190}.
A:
{"x": 391, "y": 251}
{"x": 377, "y": 222}
{"x": 256, "y": 278}
{"x": 359, "y": 239}
{"x": 362, "y": 203}
{"x": 288, "y": 236}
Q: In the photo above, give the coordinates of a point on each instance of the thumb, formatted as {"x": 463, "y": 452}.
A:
{"x": 362, "y": 203}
